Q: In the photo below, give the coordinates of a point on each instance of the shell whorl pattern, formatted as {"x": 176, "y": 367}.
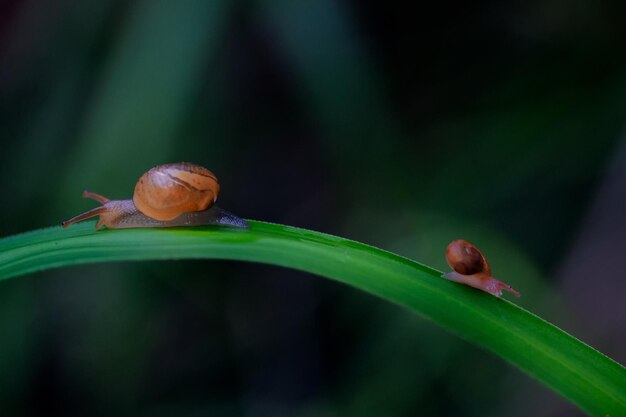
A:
{"x": 167, "y": 191}
{"x": 466, "y": 259}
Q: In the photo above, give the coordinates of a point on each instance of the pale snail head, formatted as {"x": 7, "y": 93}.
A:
{"x": 470, "y": 267}
{"x": 180, "y": 194}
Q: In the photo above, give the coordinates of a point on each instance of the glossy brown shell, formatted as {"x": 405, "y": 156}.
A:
{"x": 167, "y": 191}
{"x": 466, "y": 259}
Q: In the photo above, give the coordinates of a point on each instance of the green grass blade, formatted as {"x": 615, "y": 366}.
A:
{"x": 583, "y": 375}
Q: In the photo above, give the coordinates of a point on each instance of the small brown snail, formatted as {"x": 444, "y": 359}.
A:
{"x": 181, "y": 194}
{"x": 471, "y": 268}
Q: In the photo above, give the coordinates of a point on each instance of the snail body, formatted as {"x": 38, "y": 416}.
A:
{"x": 181, "y": 194}
{"x": 470, "y": 267}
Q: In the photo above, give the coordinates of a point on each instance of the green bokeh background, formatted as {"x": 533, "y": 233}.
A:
{"x": 399, "y": 127}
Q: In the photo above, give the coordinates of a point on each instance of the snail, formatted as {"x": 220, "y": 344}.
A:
{"x": 471, "y": 268}
{"x": 180, "y": 194}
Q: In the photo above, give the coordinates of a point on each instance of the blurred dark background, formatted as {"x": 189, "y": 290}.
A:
{"x": 499, "y": 122}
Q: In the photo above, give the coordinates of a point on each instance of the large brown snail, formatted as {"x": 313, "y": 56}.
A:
{"x": 180, "y": 194}
{"x": 471, "y": 268}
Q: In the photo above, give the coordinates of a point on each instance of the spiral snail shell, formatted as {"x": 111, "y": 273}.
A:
{"x": 166, "y": 191}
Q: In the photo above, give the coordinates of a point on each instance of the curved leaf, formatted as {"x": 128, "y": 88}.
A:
{"x": 583, "y": 375}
